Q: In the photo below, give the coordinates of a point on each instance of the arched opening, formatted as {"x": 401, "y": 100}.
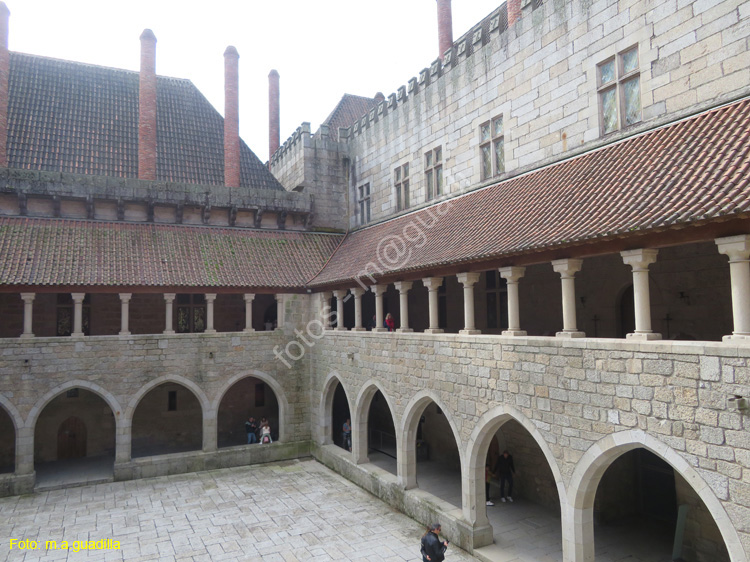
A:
{"x": 7, "y": 442}
{"x": 381, "y": 434}
{"x": 74, "y": 439}
{"x": 168, "y": 419}
{"x": 249, "y": 397}
{"x": 339, "y": 416}
{"x": 643, "y": 508}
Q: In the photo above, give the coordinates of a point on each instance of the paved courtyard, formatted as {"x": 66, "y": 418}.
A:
{"x": 296, "y": 510}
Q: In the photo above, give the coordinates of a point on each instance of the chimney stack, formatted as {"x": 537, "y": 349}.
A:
{"x": 274, "y": 125}
{"x": 445, "y": 26}
{"x": 4, "y": 72}
{"x": 514, "y": 11}
{"x": 147, "y": 108}
{"x": 379, "y": 97}
{"x": 231, "y": 118}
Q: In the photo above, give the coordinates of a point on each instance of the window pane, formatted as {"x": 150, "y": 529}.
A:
{"x": 64, "y": 321}
{"x": 500, "y": 155}
{"x": 361, "y": 212}
{"x": 632, "y": 92}
{"x": 497, "y": 126}
{"x": 406, "y": 194}
{"x": 398, "y": 197}
{"x": 183, "y": 320}
{"x": 439, "y": 180}
{"x": 428, "y": 160}
{"x": 428, "y": 178}
{"x": 199, "y": 298}
{"x": 398, "y": 174}
{"x": 361, "y": 191}
{"x": 484, "y": 132}
{"x": 367, "y": 207}
{"x": 491, "y": 279}
{"x": 630, "y": 61}
{"x": 367, "y": 190}
{"x": 609, "y": 111}
{"x": 486, "y": 162}
{"x": 182, "y": 299}
{"x": 199, "y": 319}
{"x": 607, "y": 73}
{"x": 406, "y": 170}
{"x": 438, "y": 155}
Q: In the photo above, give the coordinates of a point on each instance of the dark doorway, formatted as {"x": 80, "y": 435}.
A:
{"x": 71, "y": 439}
{"x": 339, "y": 414}
{"x": 381, "y": 434}
{"x": 7, "y": 443}
{"x": 627, "y": 312}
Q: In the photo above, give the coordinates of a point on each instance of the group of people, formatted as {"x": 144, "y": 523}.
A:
{"x": 389, "y": 323}
{"x": 258, "y": 432}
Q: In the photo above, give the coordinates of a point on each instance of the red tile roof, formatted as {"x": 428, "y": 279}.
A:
{"x": 38, "y": 252}
{"x": 692, "y": 170}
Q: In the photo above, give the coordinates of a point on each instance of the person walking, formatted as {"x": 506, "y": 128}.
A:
{"x": 432, "y": 549}
{"x": 250, "y": 428}
{"x": 505, "y": 469}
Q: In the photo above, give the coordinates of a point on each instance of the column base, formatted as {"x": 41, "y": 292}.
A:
{"x": 568, "y": 335}
{"x": 359, "y": 329}
{"x": 248, "y": 330}
{"x": 124, "y": 334}
{"x": 643, "y": 336}
{"x": 514, "y": 333}
{"x": 209, "y": 331}
{"x": 168, "y": 333}
{"x": 380, "y": 330}
{"x": 29, "y": 336}
{"x": 737, "y": 338}
{"x": 341, "y": 329}
{"x": 404, "y": 330}
{"x": 469, "y": 332}
{"x": 77, "y": 335}
{"x": 434, "y": 331}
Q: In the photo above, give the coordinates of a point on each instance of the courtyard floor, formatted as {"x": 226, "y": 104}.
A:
{"x": 295, "y": 510}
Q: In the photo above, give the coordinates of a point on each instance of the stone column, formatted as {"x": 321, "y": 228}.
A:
{"x": 168, "y": 300}
{"x": 433, "y": 284}
{"x": 210, "y": 298}
{"x": 511, "y": 275}
{"x": 125, "y": 313}
{"x": 468, "y": 280}
{"x": 379, "y": 317}
{"x": 639, "y": 260}
{"x": 738, "y": 250}
{"x": 325, "y": 310}
{"x": 567, "y": 268}
{"x": 358, "y": 292}
{"x": 123, "y": 438}
{"x": 403, "y": 296}
{"x": 210, "y": 438}
{"x": 280, "y": 310}
{"x": 340, "y": 309}
{"x": 77, "y": 314}
{"x": 28, "y": 314}
{"x": 25, "y": 451}
{"x": 249, "y": 297}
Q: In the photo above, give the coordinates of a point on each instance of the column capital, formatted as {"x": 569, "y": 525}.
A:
{"x": 248, "y": 297}
{"x": 433, "y": 283}
{"x": 468, "y": 278}
{"x": 210, "y": 297}
{"x": 28, "y": 297}
{"x": 125, "y": 297}
{"x": 567, "y": 267}
{"x": 78, "y": 297}
{"x": 639, "y": 259}
{"x": 512, "y": 273}
{"x": 736, "y": 247}
{"x": 403, "y": 286}
{"x": 340, "y": 293}
{"x": 378, "y": 289}
{"x": 357, "y": 292}
{"x": 169, "y": 297}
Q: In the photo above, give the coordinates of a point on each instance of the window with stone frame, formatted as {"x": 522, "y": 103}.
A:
{"x": 619, "y": 90}
{"x": 433, "y": 175}
{"x": 492, "y": 148}
{"x": 65, "y": 310}
{"x": 191, "y": 313}
{"x": 363, "y": 197}
{"x": 401, "y": 183}
{"x": 497, "y": 300}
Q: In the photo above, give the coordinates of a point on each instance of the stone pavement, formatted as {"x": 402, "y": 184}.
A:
{"x": 295, "y": 510}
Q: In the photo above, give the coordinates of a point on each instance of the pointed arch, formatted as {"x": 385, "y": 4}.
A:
{"x": 105, "y": 395}
{"x": 176, "y": 379}
{"x": 325, "y": 411}
{"x": 360, "y": 421}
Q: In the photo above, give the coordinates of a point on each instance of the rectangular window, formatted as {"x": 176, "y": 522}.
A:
{"x": 433, "y": 165}
{"x": 364, "y": 203}
{"x": 619, "y": 88}
{"x": 401, "y": 182}
{"x": 172, "y": 401}
{"x": 497, "y": 301}
{"x": 492, "y": 148}
{"x": 191, "y": 313}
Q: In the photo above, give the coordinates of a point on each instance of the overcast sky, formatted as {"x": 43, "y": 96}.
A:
{"x": 322, "y": 49}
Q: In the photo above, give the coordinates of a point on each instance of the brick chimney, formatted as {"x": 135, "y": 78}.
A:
{"x": 445, "y": 26}
{"x": 231, "y": 118}
{"x": 514, "y": 11}
{"x": 274, "y": 125}
{"x": 147, "y": 108}
{"x": 4, "y": 72}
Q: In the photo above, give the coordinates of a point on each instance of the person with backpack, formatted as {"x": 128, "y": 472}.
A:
{"x": 432, "y": 549}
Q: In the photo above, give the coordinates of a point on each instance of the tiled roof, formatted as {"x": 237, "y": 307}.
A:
{"x": 66, "y": 116}
{"x": 346, "y": 112}
{"x": 42, "y": 252}
{"x": 693, "y": 170}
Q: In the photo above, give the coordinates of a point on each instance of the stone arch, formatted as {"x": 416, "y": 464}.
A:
{"x": 265, "y": 378}
{"x": 478, "y": 445}
{"x": 592, "y": 466}
{"x": 407, "y": 455}
{"x": 325, "y": 414}
{"x": 111, "y": 401}
{"x": 17, "y": 422}
{"x": 360, "y": 420}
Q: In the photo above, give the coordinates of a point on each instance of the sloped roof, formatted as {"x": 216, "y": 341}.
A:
{"x": 39, "y": 252}
{"x": 346, "y": 112}
{"x": 66, "y": 116}
{"x": 692, "y": 170}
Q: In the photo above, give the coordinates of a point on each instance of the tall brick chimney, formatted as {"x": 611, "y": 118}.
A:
{"x": 231, "y": 118}
{"x": 274, "y": 125}
{"x": 4, "y": 72}
{"x": 514, "y": 11}
{"x": 147, "y": 108}
{"x": 445, "y": 26}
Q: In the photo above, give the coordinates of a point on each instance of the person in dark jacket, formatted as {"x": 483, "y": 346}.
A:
{"x": 504, "y": 470}
{"x": 250, "y": 428}
{"x": 432, "y": 549}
